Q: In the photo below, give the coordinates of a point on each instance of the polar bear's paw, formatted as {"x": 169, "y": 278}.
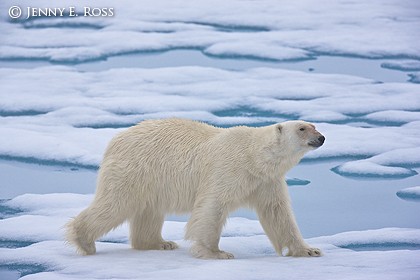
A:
{"x": 224, "y": 255}
{"x": 305, "y": 252}
{"x": 160, "y": 245}
{"x": 202, "y": 252}
{"x": 85, "y": 248}
{"x": 168, "y": 245}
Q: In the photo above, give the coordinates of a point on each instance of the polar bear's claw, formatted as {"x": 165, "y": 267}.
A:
{"x": 315, "y": 252}
{"x": 168, "y": 245}
{"x": 202, "y": 252}
{"x": 305, "y": 252}
{"x": 225, "y": 255}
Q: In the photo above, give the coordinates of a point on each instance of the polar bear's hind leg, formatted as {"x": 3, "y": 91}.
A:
{"x": 91, "y": 224}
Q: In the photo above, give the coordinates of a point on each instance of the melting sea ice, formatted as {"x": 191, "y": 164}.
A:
{"x": 68, "y": 85}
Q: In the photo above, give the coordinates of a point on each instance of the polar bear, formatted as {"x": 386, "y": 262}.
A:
{"x": 181, "y": 166}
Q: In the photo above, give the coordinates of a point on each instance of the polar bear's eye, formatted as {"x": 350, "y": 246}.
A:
{"x": 302, "y": 129}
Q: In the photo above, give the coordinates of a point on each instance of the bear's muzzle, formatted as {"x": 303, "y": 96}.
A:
{"x": 316, "y": 143}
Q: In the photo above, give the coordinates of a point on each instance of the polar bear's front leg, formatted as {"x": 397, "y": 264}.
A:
{"x": 204, "y": 228}
{"x": 274, "y": 210}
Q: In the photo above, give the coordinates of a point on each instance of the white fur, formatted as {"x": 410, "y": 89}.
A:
{"x": 178, "y": 166}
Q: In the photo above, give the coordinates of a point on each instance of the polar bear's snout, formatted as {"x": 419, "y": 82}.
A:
{"x": 321, "y": 140}
{"x": 318, "y": 141}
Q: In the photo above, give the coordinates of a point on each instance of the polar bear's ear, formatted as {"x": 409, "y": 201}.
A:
{"x": 279, "y": 127}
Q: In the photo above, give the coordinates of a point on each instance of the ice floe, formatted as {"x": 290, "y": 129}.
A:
{"x": 414, "y": 78}
{"x": 66, "y": 114}
{"x": 403, "y": 65}
{"x": 412, "y": 194}
{"x": 263, "y": 30}
{"x": 57, "y": 106}
{"x": 32, "y": 244}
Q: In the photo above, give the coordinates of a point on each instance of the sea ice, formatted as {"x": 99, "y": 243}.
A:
{"x": 393, "y": 117}
{"x": 54, "y": 106}
{"x": 263, "y": 30}
{"x": 412, "y": 194}
{"x": 61, "y": 115}
{"x": 94, "y": 106}
{"x": 395, "y": 163}
{"x": 415, "y": 78}
{"x": 41, "y": 253}
{"x": 403, "y": 65}
{"x": 364, "y": 168}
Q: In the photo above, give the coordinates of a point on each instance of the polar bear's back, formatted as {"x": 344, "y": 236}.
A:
{"x": 160, "y": 141}
{"x": 159, "y": 158}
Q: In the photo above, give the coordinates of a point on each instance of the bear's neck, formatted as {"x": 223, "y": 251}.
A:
{"x": 285, "y": 163}
{"x": 270, "y": 165}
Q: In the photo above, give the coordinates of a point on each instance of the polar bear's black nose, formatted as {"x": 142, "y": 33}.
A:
{"x": 317, "y": 142}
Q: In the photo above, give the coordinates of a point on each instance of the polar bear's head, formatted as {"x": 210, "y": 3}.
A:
{"x": 284, "y": 144}
{"x": 300, "y": 135}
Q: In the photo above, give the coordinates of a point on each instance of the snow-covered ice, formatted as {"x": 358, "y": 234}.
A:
{"x": 412, "y": 193}
{"x": 262, "y": 29}
{"x": 403, "y": 65}
{"x": 415, "y": 78}
{"x": 350, "y": 255}
{"x": 68, "y": 85}
{"x": 95, "y": 105}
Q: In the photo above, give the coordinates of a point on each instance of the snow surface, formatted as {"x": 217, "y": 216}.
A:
{"x": 57, "y": 106}
{"x": 395, "y": 254}
{"x": 415, "y": 78}
{"x": 412, "y": 193}
{"x": 61, "y": 110}
{"x": 262, "y": 29}
{"x": 403, "y": 65}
